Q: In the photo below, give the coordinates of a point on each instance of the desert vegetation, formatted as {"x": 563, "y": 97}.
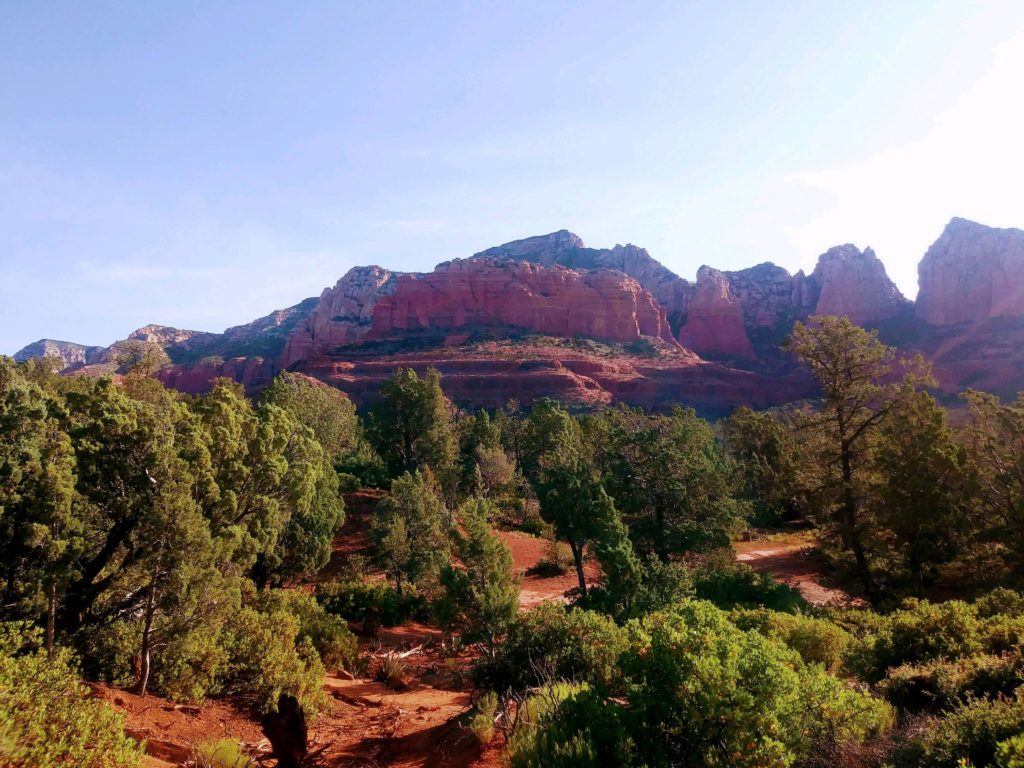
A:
{"x": 173, "y": 546}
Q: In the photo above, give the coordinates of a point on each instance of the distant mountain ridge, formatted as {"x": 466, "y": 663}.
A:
{"x": 715, "y": 333}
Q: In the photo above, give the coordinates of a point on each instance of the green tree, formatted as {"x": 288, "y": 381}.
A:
{"x": 325, "y": 410}
{"x": 411, "y": 426}
{"x": 670, "y": 479}
{"x": 573, "y": 500}
{"x": 482, "y": 596}
{"x": 994, "y": 438}
{"x": 927, "y": 488}
{"x": 859, "y": 389}
{"x": 271, "y": 489}
{"x": 767, "y": 458}
{"x": 40, "y": 536}
{"x": 409, "y": 530}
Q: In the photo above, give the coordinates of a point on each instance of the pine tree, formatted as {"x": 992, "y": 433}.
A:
{"x": 481, "y": 596}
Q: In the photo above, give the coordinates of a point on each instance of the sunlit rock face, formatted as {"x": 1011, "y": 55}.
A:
{"x": 603, "y": 304}
{"x": 970, "y": 274}
{"x": 714, "y": 319}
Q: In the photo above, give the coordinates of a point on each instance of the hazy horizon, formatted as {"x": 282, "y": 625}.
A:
{"x": 200, "y": 166}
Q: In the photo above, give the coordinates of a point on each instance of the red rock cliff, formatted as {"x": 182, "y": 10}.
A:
{"x": 714, "y": 320}
{"x": 490, "y": 292}
{"x": 970, "y": 274}
{"x": 854, "y": 283}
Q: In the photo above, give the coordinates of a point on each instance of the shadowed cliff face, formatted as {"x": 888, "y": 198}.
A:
{"x": 657, "y": 339}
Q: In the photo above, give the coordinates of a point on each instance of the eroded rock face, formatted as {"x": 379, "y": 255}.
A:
{"x": 766, "y": 293}
{"x": 343, "y": 315}
{"x": 970, "y": 274}
{"x": 68, "y": 352}
{"x": 854, "y": 283}
{"x": 565, "y": 249}
{"x": 165, "y": 335}
{"x": 714, "y": 321}
{"x": 553, "y": 300}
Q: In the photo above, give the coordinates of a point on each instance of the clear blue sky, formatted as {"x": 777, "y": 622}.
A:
{"x": 200, "y": 164}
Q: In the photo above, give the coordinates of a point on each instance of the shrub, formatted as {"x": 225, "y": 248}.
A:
{"x": 329, "y": 634}
{"x": 47, "y": 719}
{"x": 999, "y": 602}
{"x": 732, "y": 585}
{"x": 701, "y": 692}
{"x": 941, "y": 685}
{"x": 536, "y": 742}
{"x": 266, "y": 658}
{"x": 922, "y": 631}
{"x": 481, "y": 722}
{"x": 969, "y": 733}
{"x": 226, "y": 753}
{"x": 1010, "y": 753}
{"x": 391, "y": 670}
{"x": 552, "y": 642}
{"x": 818, "y": 641}
{"x": 348, "y": 483}
{"x": 350, "y": 599}
{"x": 556, "y": 561}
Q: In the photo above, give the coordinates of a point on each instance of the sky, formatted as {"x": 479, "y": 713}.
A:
{"x": 199, "y": 164}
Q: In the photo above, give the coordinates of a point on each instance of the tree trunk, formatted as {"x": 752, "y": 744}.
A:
{"x": 51, "y": 616}
{"x": 851, "y": 534}
{"x": 577, "y": 556}
{"x": 147, "y": 633}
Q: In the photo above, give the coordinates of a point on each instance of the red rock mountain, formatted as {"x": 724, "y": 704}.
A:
{"x": 714, "y": 319}
{"x": 549, "y": 316}
{"x": 970, "y": 274}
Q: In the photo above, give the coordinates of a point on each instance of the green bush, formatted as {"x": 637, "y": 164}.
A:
{"x": 922, "y": 631}
{"x": 999, "y": 602}
{"x": 225, "y": 753}
{"x": 552, "y": 642}
{"x": 698, "y": 691}
{"x": 969, "y": 733}
{"x": 329, "y": 634}
{"x": 729, "y": 584}
{"x": 818, "y": 641}
{"x": 348, "y": 483}
{"x": 349, "y": 599}
{"x": 937, "y": 686}
{"x": 1010, "y": 753}
{"x": 537, "y": 741}
{"x": 267, "y": 658}
{"x": 481, "y": 722}
{"x": 47, "y": 719}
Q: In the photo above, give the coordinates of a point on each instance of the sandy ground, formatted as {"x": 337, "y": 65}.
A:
{"x": 792, "y": 561}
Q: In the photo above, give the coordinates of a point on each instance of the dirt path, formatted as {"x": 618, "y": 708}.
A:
{"x": 794, "y": 563}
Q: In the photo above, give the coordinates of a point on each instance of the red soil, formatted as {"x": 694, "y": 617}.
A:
{"x": 527, "y": 551}
{"x": 796, "y": 565}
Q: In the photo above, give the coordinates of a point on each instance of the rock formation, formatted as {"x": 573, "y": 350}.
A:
{"x": 854, "y": 283}
{"x": 970, "y": 274}
{"x": 478, "y": 292}
{"x": 714, "y": 321}
{"x": 343, "y": 315}
{"x": 68, "y": 352}
{"x": 567, "y": 250}
{"x": 968, "y": 319}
